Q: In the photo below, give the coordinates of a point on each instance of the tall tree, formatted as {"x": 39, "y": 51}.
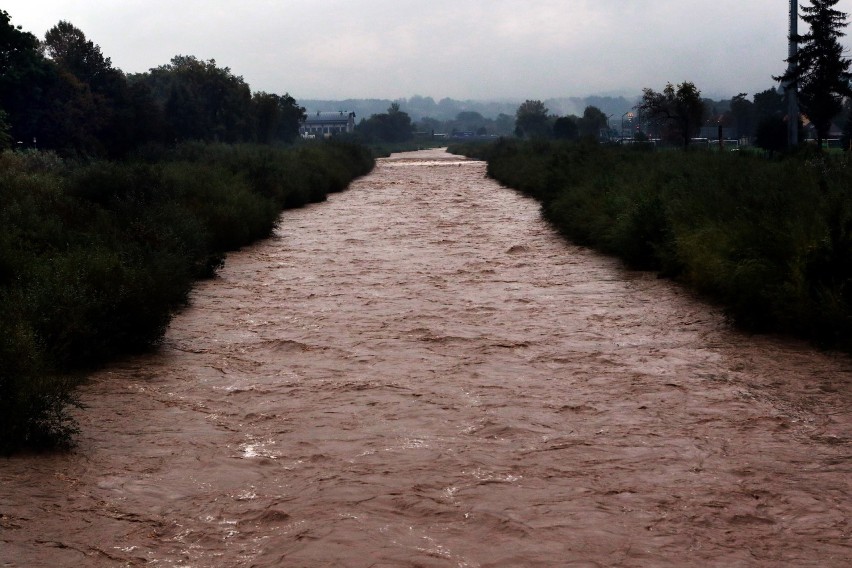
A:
{"x": 69, "y": 48}
{"x": 565, "y": 128}
{"x": 277, "y": 117}
{"x": 592, "y": 122}
{"x": 531, "y": 120}
{"x": 819, "y": 71}
{"x": 742, "y": 111}
{"x": 25, "y": 75}
{"x": 202, "y": 101}
{"x": 392, "y": 126}
{"x": 113, "y": 116}
{"x": 679, "y": 110}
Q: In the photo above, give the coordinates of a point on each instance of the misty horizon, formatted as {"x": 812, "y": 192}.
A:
{"x": 501, "y": 50}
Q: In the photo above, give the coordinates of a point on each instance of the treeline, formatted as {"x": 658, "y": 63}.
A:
{"x": 63, "y": 94}
{"x": 769, "y": 239}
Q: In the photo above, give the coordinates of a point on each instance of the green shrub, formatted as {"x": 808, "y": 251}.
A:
{"x": 95, "y": 258}
{"x": 770, "y": 239}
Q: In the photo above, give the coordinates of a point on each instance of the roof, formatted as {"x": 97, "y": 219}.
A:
{"x": 329, "y": 117}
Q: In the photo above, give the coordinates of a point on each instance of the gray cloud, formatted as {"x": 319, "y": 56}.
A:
{"x": 460, "y": 48}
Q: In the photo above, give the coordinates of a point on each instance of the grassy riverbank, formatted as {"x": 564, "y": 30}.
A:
{"x": 95, "y": 258}
{"x": 769, "y": 239}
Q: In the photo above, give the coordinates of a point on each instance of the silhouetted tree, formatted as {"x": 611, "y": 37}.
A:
{"x": 202, "y": 101}
{"x": 592, "y": 122}
{"x": 111, "y": 116}
{"x": 69, "y": 48}
{"x": 742, "y": 112}
{"x": 769, "y": 103}
{"x": 393, "y": 126}
{"x": 531, "y": 120}
{"x": 25, "y": 79}
{"x": 565, "y": 128}
{"x": 820, "y": 72}
{"x": 5, "y": 137}
{"x": 679, "y": 109}
{"x": 277, "y": 117}
{"x": 771, "y": 134}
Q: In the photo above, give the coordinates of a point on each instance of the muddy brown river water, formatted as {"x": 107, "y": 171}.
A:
{"x": 419, "y": 372}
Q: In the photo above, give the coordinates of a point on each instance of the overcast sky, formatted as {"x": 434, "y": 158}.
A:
{"x": 464, "y": 49}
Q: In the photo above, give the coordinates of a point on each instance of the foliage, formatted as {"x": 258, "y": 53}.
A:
{"x": 771, "y": 134}
{"x": 202, "y": 101}
{"x": 5, "y": 137}
{"x": 532, "y": 121}
{"x": 26, "y": 78}
{"x": 64, "y": 94}
{"x": 95, "y": 257}
{"x": 565, "y": 128}
{"x": 392, "y": 127}
{"x": 592, "y": 122}
{"x": 69, "y": 48}
{"x": 770, "y": 239}
{"x": 469, "y": 121}
{"x": 819, "y": 71}
{"x": 742, "y": 113}
{"x": 277, "y": 118}
{"x": 679, "y": 111}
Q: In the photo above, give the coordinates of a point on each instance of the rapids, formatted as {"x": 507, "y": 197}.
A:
{"x": 420, "y": 372}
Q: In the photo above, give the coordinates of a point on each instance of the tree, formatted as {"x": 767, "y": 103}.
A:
{"x": 69, "y": 48}
{"x": 5, "y": 138}
{"x": 819, "y": 71}
{"x": 290, "y": 116}
{"x": 679, "y": 110}
{"x": 769, "y": 103}
{"x": 504, "y": 124}
{"x": 392, "y": 126}
{"x": 565, "y": 128}
{"x": 531, "y": 120}
{"x": 112, "y": 117}
{"x": 277, "y": 118}
{"x": 771, "y": 134}
{"x": 592, "y": 122}
{"x": 742, "y": 111}
{"x": 24, "y": 78}
{"x": 202, "y": 101}
{"x": 468, "y": 121}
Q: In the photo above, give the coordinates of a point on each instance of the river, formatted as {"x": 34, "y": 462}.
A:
{"x": 420, "y": 372}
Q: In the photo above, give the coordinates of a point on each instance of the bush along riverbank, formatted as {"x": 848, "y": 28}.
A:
{"x": 771, "y": 240}
{"x": 96, "y": 257}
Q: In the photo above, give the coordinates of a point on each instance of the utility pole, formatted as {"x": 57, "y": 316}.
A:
{"x": 791, "y": 86}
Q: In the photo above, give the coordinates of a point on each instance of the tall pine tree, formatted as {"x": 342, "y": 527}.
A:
{"x": 820, "y": 72}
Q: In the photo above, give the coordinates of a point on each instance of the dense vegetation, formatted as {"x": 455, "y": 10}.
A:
{"x": 120, "y": 192}
{"x": 769, "y": 239}
{"x": 64, "y": 94}
{"x": 95, "y": 257}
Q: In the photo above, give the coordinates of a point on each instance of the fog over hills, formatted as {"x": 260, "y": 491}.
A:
{"x": 419, "y": 107}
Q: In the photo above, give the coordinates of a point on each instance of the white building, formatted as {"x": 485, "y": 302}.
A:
{"x": 327, "y": 124}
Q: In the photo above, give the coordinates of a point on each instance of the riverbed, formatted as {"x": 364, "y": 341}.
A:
{"x": 420, "y": 372}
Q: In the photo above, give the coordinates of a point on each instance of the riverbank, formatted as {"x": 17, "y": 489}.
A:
{"x": 96, "y": 257}
{"x": 771, "y": 240}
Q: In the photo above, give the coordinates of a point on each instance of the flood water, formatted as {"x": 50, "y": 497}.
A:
{"x": 419, "y": 372}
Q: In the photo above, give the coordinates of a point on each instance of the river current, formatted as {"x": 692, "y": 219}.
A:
{"x": 420, "y": 372}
